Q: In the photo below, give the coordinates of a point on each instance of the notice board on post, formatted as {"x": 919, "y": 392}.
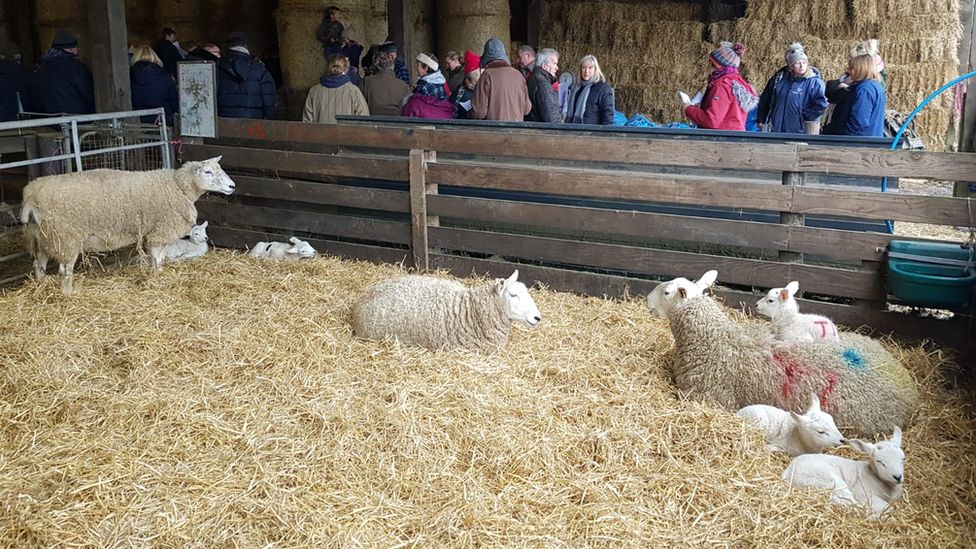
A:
{"x": 197, "y": 83}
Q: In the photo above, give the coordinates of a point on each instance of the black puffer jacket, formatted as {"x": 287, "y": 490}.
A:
{"x": 545, "y": 100}
{"x": 62, "y": 84}
{"x": 245, "y": 88}
{"x": 599, "y": 105}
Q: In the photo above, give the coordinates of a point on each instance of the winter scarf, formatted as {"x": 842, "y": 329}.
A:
{"x": 577, "y": 101}
{"x": 432, "y": 85}
{"x": 54, "y": 53}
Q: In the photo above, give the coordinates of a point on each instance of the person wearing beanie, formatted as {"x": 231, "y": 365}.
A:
{"x": 384, "y": 92}
{"x": 62, "y": 83}
{"x": 334, "y": 95}
{"x": 461, "y": 99}
{"x": 245, "y": 88}
{"x": 862, "y": 109}
{"x": 429, "y": 99}
{"x": 501, "y": 92}
{"x": 794, "y": 98}
{"x": 14, "y": 84}
{"x": 728, "y": 96}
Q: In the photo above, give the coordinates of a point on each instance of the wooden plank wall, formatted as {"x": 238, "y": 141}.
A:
{"x": 387, "y": 205}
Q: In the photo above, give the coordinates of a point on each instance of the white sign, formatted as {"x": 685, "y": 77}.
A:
{"x": 197, "y": 83}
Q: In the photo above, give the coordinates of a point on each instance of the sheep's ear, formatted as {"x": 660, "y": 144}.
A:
{"x": 294, "y": 240}
{"x": 896, "y": 437}
{"x": 204, "y": 224}
{"x": 784, "y": 294}
{"x": 683, "y": 292}
{"x": 814, "y": 403}
{"x": 792, "y": 287}
{"x": 861, "y": 446}
{"x": 707, "y": 279}
{"x": 513, "y": 277}
{"x": 214, "y": 160}
{"x": 796, "y": 417}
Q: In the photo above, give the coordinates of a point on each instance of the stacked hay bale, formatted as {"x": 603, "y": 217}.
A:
{"x": 649, "y": 49}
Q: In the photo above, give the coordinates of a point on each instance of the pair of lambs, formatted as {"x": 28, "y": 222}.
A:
{"x": 436, "y": 313}
{"x": 876, "y": 483}
{"x": 861, "y": 384}
{"x": 67, "y": 215}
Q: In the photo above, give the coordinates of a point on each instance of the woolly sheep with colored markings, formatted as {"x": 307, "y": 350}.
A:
{"x": 861, "y": 384}
{"x": 435, "y": 313}
{"x": 104, "y": 210}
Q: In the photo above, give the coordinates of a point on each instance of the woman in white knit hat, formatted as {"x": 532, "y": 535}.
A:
{"x": 793, "y": 99}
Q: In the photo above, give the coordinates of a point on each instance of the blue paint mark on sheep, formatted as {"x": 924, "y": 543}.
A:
{"x": 853, "y": 359}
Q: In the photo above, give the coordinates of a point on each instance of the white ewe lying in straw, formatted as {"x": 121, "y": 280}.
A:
{"x": 876, "y": 483}
{"x": 434, "y": 313}
{"x": 795, "y": 434}
{"x": 104, "y": 210}
{"x": 190, "y": 246}
{"x": 789, "y": 324}
{"x": 280, "y": 251}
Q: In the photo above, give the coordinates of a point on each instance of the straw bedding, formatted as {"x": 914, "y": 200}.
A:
{"x": 223, "y": 402}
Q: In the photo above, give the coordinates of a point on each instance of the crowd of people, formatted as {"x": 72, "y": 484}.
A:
{"x": 795, "y": 99}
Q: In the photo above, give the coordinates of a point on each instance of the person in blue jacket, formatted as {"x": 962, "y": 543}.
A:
{"x": 862, "y": 110}
{"x": 62, "y": 83}
{"x": 152, "y": 85}
{"x": 794, "y": 98}
{"x": 245, "y": 88}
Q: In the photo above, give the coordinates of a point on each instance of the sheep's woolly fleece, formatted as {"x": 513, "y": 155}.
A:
{"x": 224, "y": 402}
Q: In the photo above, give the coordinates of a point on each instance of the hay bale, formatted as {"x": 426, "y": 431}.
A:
{"x": 175, "y": 406}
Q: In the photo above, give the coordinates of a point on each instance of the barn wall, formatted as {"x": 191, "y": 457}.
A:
{"x": 650, "y": 49}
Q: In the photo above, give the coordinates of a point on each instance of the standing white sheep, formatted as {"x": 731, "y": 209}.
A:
{"x": 436, "y": 313}
{"x": 668, "y": 294}
{"x": 789, "y": 324}
{"x": 795, "y": 434}
{"x": 190, "y": 246}
{"x": 876, "y": 483}
{"x": 104, "y": 210}
{"x": 280, "y": 251}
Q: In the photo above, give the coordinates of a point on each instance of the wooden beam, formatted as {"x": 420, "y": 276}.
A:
{"x": 792, "y": 179}
{"x": 289, "y": 162}
{"x": 534, "y": 23}
{"x": 109, "y": 55}
{"x": 313, "y": 192}
{"x": 418, "y": 210}
{"x": 400, "y": 19}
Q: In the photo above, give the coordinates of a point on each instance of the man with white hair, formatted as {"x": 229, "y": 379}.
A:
{"x": 545, "y": 100}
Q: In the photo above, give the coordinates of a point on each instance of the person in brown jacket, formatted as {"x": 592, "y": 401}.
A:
{"x": 384, "y": 92}
{"x": 501, "y": 93}
{"x": 334, "y": 95}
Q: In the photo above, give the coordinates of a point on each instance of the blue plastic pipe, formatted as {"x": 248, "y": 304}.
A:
{"x": 904, "y": 126}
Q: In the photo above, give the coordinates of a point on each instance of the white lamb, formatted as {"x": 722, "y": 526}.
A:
{"x": 876, "y": 483}
{"x": 795, "y": 434}
{"x": 190, "y": 246}
{"x": 436, "y": 313}
{"x": 104, "y": 210}
{"x": 668, "y": 294}
{"x": 281, "y": 251}
{"x": 789, "y": 324}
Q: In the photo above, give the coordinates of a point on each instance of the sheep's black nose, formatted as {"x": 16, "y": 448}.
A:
{"x": 843, "y": 441}
{"x": 897, "y": 478}
{"x": 537, "y": 319}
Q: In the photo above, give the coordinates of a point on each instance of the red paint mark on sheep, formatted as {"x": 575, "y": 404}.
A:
{"x": 827, "y": 391}
{"x": 823, "y": 328}
{"x": 792, "y": 368}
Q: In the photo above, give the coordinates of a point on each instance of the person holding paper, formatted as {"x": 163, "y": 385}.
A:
{"x": 728, "y": 97}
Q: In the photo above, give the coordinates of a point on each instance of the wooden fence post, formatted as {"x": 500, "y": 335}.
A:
{"x": 793, "y": 179}
{"x": 419, "y": 220}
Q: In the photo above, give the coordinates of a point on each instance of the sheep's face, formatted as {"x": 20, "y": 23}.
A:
{"x": 519, "y": 305}
{"x": 887, "y": 460}
{"x": 212, "y": 177}
{"x": 668, "y": 295}
{"x": 198, "y": 234}
{"x": 779, "y": 299}
{"x": 818, "y": 430}
{"x": 301, "y": 248}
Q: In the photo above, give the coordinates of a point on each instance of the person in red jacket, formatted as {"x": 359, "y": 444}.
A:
{"x": 728, "y": 97}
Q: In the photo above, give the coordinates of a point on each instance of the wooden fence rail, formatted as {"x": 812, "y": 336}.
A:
{"x": 383, "y": 194}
